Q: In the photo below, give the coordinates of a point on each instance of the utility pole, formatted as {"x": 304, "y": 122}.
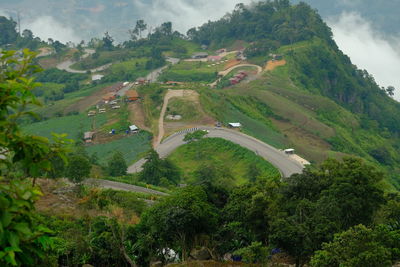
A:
{"x": 19, "y": 22}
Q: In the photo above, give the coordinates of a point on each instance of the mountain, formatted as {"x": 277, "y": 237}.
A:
{"x": 307, "y": 173}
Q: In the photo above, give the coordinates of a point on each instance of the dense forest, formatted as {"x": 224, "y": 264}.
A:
{"x": 334, "y": 214}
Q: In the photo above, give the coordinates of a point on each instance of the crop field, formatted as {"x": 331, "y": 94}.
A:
{"x": 226, "y": 156}
{"x": 186, "y": 71}
{"x": 132, "y": 147}
{"x": 72, "y": 125}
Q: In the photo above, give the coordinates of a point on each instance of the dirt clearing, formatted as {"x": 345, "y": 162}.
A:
{"x": 272, "y": 64}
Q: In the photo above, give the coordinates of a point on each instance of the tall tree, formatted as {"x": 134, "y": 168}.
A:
{"x": 108, "y": 42}
{"x": 117, "y": 165}
{"x": 177, "y": 220}
{"x": 7, "y": 29}
{"x": 78, "y": 168}
{"x": 140, "y": 27}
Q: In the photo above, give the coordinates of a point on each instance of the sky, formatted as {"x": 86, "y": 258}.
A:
{"x": 367, "y": 49}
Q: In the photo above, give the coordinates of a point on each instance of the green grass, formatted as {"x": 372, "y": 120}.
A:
{"x": 105, "y": 57}
{"x": 71, "y": 125}
{"x": 131, "y": 147}
{"x": 128, "y": 70}
{"x": 187, "y": 109}
{"x": 50, "y": 108}
{"x": 191, "y": 72}
{"x": 237, "y": 160}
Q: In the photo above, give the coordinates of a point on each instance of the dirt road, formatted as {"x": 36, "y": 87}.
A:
{"x": 227, "y": 71}
{"x": 170, "y": 94}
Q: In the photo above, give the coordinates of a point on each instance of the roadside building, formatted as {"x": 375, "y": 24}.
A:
{"x": 200, "y": 55}
{"x": 97, "y": 77}
{"x": 109, "y": 97}
{"x": 131, "y": 95}
{"x": 222, "y": 50}
{"x": 88, "y": 137}
{"x": 141, "y": 81}
{"x": 133, "y": 129}
{"x": 214, "y": 58}
{"x": 234, "y": 125}
{"x": 234, "y": 80}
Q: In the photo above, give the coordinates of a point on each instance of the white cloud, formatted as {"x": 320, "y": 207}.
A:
{"x": 367, "y": 49}
{"x": 47, "y": 27}
{"x": 185, "y": 14}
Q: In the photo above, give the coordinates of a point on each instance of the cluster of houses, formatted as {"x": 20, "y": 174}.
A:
{"x": 238, "y": 78}
{"x": 89, "y": 136}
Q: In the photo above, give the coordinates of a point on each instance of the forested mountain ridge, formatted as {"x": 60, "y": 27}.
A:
{"x": 316, "y": 64}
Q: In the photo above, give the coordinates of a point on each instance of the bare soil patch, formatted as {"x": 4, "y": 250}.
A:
{"x": 272, "y": 64}
{"x": 137, "y": 115}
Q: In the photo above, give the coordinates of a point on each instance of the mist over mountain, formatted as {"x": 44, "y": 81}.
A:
{"x": 365, "y": 30}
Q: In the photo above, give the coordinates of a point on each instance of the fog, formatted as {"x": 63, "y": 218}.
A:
{"x": 48, "y": 27}
{"x": 185, "y": 14}
{"x": 368, "y": 49}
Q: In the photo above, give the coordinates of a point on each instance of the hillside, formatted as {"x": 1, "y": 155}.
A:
{"x": 253, "y": 140}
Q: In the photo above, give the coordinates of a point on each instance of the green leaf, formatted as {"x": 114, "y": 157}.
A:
{"x": 23, "y": 228}
{"x": 27, "y": 195}
{"x": 4, "y": 202}
{"x": 13, "y": 239}
{"x": 6, "y": 218}
{"x": 10, "y": 258}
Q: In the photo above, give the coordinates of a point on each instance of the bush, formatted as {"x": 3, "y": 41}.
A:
{"x": 255, "y": 253}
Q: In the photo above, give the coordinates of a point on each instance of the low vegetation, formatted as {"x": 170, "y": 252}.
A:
{"x": 213, "y": 156}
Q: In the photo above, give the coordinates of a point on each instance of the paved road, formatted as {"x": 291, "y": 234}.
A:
{"x": 66, "y": 65}
{"x": 121, "y": 186}
{"x": 286, "y": 165}
{"x": 153, "y": 76}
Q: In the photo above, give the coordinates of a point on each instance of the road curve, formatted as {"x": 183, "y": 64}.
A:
{"x": 122, "y": 186}
{"x": 286, "y": 165}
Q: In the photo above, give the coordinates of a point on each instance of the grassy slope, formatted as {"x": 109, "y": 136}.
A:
{"x": 233, "y": 157}
{"x": 131, "y": 147}
{"x": 71, "y": 125}
{"x": 314, "y": 125}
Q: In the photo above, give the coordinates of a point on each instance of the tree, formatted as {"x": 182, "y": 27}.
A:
{"x": 195, "y": 136}
{"x": 156, "y": 169}
{"x": 358, "y": 246}
{"x": 27, "y": 34}
{"x": 108, "y": 42}
{"x": 166, "y": 28}
{"x": 8, "y": 33}
{"x": 58, "y": 46}
{"x": 390, "y": 91}
{"x": 78, "y": 168}
{"x": 177, "y": 220}
{"x": 23, "y": 238}
{"x": 117, "y": 165}
{"x": 140, "y": 27}
{"x": 320, "y": 203}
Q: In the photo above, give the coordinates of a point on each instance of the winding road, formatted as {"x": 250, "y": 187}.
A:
{"x": 279, "y": 159}
{"x": 227, "y": 71}
{"x": 66, "y": 65}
